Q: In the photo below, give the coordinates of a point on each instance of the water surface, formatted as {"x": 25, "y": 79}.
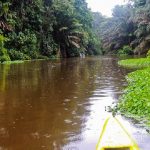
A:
{"x": 60, "y": 104}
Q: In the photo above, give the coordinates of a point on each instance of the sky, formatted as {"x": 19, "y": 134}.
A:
{"x": 104, "y": 6}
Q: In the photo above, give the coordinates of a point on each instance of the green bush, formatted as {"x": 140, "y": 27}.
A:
{"x": 4, "y": 58}
{"x": 4, "y": 55}
{"x": 126, "y": 50}
{"x": 3, "y": 51}
{"x": 74, "y": 52}
{"x": 33, "y": 54}
{"x": 148, "y": 54}
{"x": 23, "y": 41}
{"x": 17, "y": 55}
{"x": 94, "y": 46}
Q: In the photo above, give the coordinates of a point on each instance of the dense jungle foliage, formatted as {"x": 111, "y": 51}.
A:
{"x": 34, "y": 29}
{"x": 40, "y": 29}
{"x": 128, "y": 30}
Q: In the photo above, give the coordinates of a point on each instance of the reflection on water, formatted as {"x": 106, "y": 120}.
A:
{"x": 56, "y": 105}
{"x": 4, "y": 70}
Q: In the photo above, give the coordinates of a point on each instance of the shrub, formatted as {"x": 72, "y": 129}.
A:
{"x": 3, "y": 51}
{"x": 126, "y": 50}
{"x": 33, "y": 54}
{"x": 23, "y": 41}
{"x": 4, "y": 58}
{"x": 148, "y": 54}
{"x": 17, "y": 55}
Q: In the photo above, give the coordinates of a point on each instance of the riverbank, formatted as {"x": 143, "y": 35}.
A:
{"x": 23, "y": 61}
{"x": 12, "y": 62}
{"x": 135, "y": 102}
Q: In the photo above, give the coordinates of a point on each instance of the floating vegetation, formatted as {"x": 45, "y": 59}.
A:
{"x": 135, "y": 102}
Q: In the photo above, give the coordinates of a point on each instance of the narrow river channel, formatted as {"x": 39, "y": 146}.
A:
{"x": 60, "y": 104}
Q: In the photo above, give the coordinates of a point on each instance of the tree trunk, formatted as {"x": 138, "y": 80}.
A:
{"x": 63, "y": 51}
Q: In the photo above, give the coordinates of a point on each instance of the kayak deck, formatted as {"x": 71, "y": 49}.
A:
{"x": 117, "y": 148}
{"x": 115, "y": 137}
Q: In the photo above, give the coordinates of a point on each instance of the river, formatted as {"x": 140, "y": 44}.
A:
{"x": 60, "y": 104}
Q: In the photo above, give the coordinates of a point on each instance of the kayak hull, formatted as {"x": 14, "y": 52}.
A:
{"x": 115, "y": 137}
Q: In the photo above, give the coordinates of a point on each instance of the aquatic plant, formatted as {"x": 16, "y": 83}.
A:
{"x": 135, "y": 102}
{"x": 136, "y": 99}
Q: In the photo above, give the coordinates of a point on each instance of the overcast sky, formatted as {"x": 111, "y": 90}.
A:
{"x": 104, "y": 6}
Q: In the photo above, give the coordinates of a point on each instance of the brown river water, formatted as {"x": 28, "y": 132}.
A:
{"x": 60, "y": 104}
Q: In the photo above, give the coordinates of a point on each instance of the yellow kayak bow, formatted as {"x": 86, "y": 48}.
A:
{"x": 115, "y": 137}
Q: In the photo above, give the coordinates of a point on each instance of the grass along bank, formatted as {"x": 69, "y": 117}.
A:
{"x": 135, "y": 63}
{"x": 135, "y": 102}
